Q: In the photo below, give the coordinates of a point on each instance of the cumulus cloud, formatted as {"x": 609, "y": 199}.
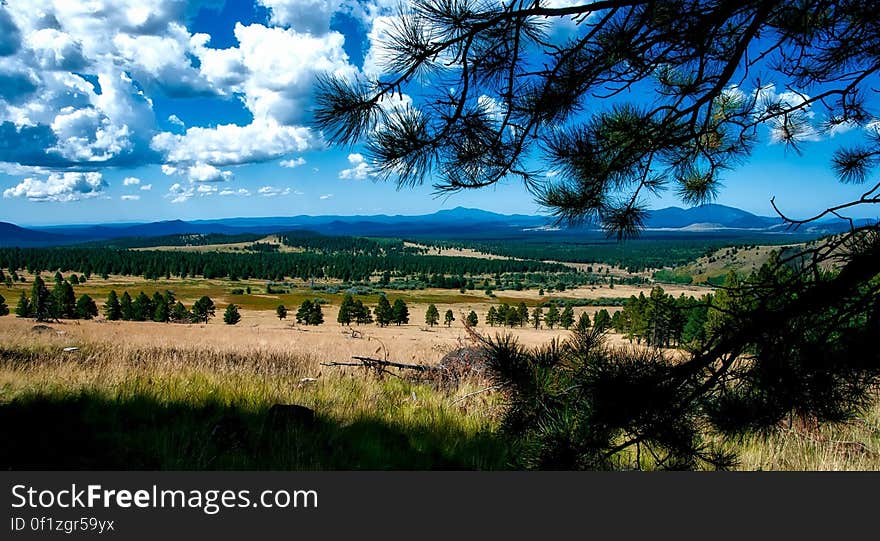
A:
{"x": 178, "y": 193}
{"x": 131, "y": 181}
{"x": 10, "y": 36}
{"x": 359, "y": 169}
{"x": 311, "y": 16}
{"x": 175, "y": 120}
{"x": 129, "y": 197}
{"x": 290, "y": 164}
{"x": 146, "y": 187}
{"x": 60, "y": 187}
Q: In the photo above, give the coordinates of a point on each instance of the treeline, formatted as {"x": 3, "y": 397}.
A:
{"x": 184, "y": 239}
{"x": 663, "y": 320}
{"x": 59, "y": 303}
{"x": 161, "y": 308}
{"x": 634, "y": 255}
{"x": 267, "y": 266}
{"x": 321, "y": 244}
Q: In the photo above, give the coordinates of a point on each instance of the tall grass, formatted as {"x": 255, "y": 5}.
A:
{"x": 116, "y": 405}
{"x": 106, "y": 406}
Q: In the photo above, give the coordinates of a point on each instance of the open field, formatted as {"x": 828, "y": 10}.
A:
{"x": 158, "y": 396}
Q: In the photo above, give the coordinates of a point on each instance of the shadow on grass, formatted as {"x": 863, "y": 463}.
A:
{"x": 91, "y": 432}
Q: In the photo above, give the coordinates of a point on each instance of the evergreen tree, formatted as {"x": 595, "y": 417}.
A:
{"x": 231, "y": 315}
{"x": 552, "y": 317}
{"x": 302, "y": 315}
{"x": 583, "y": 323}
{"x": 142, "y": 308}
{"x": 42, "y": 307}
{"x": 537, "y": 316}
{"x": 448, "y": 317}
{"x": 346, "y": 316}
{"x": 492, "y": 316}
{"x": 472, "y": 319}
{"x": 432, "y": 316}
{"x": 384, "y": 312}
{"x": 203, "y": 309}
{"x": 522, "y": 312}
{"x": 161, "y": 309}
{"x": 86, "y": 307}
{"x": 126, "y": 307}
{"x": 602, "y": 320}
{"x": 281, "y": 312}
{"x": 4, "y": 309}
{"x": 400, "y": 312}
{"x": 23, "y": 309}
{"x": 180, "y": 314}
{"x": 360, "y": 313}
{"x": 112, "y": 309}
{"x": 63, "y": 301}
{"x": 567, "y": 317}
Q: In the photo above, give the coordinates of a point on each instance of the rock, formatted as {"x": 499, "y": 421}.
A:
{"x": 281, "y": 416}
{"x": 69, "y": 349}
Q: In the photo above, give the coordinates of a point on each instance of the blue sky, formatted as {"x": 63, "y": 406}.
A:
{"x": 135, "y": 110}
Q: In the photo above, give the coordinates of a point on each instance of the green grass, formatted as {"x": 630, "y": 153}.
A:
{"x": 112, "y": 408}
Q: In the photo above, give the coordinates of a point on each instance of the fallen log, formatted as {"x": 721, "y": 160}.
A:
{"x": 370, "y": 362}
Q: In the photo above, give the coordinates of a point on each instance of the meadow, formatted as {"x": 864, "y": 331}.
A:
{"x": 163, "y": 396}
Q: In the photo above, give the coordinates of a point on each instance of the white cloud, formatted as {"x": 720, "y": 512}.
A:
{"x": 359, "y": 169}
{"x": 179, "y": 194}
{"x": 147, "y": 187}
{"x": 303, "y": 15}
{"x": 60, "y": 187}
{"x": 203, "y": 172}
{"x": 131, "y": 181}
{"x": 271, "y": 191}
{"x": 290, "y": 164}
{"x": 326, "y": 196}
{"x": 230, "y": 144}
{"x": 239, "y": 192}
{"x": 175, "y": 120}
{"x": 129, "y": 197}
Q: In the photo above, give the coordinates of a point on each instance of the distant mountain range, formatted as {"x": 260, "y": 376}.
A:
{"x": 457, "y": 223}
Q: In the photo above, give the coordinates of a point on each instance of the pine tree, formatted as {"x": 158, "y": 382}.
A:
{"x": 4, "y": 309}
{"x": 112, "y": 309}
{"x": 537, "y": 316}
{"x": 180, "y": 314}
{"x": 400, "y": 312}
{"x": 42, "y": 308}
{"x": 281, "y": 312}
{"x": 522, "y": 312}
{"x": 552, "y": 317}
{"x": 231, "y": 315}
{"x": 472, "y": 319}
{"x": 126, "y": 307}
{"x": 141, "y": 308}
{"x": 583, "y": 324}
{"x": 492, "y": 316}
{"x": 86, "y": 307}
{"x": 567, "y": 317}
{"x": 161, "y": 309}
{"x": 302, "y": 315}
{"x": 23, "y": 309}
{"x": 384, "y": 312}
{"x": 432, "y": 316}
{"x": 203, "y": 309}
{"x": 361, "y": 313}
{"x": 345, "y": 315}
{"x": 602, "y": 321}
{"x": 448, "y": 317}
